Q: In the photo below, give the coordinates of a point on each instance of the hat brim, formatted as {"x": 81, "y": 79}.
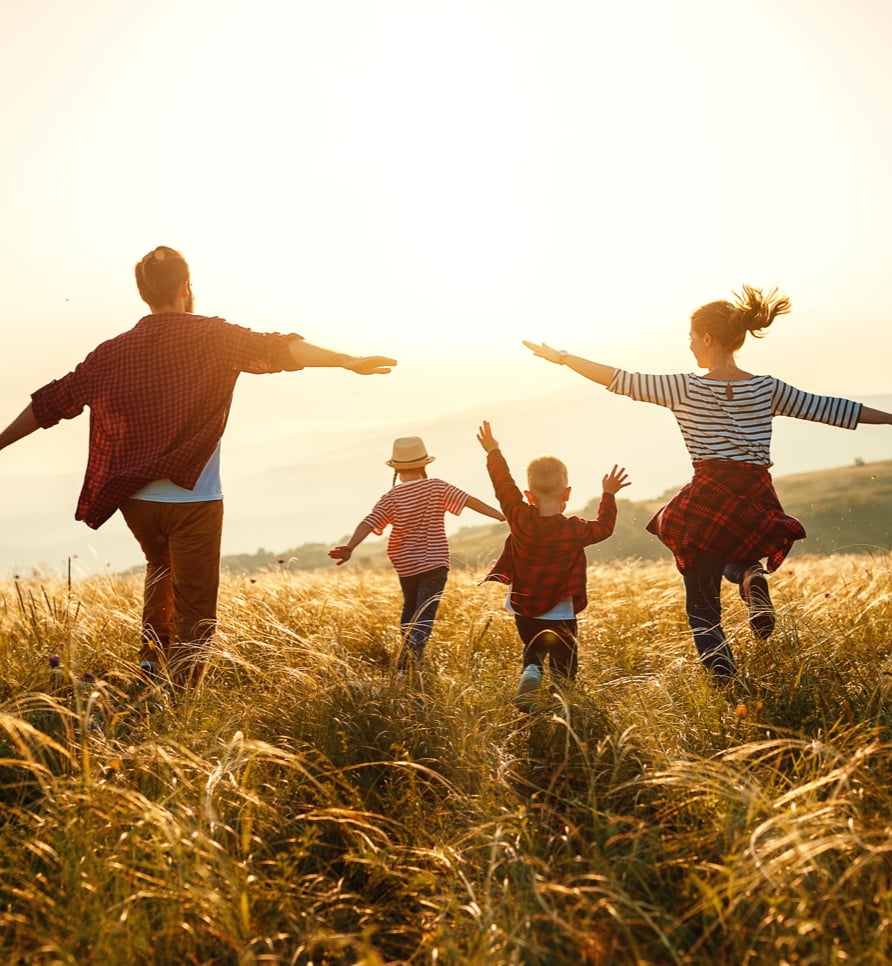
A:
{"x": 410, "y": 464}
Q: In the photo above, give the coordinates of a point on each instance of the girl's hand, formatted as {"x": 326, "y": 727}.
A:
{"x": 615, "y": 480}
{"x": 341, "y": 554}
{"x": 485, "y": 438}
{"x": 543, "y": 351}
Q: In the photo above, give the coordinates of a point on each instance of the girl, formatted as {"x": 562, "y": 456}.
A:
{"x": 417, "y": 546}
{"x": 728, "y": 517}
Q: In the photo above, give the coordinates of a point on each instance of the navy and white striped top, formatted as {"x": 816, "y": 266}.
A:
{"x": 738, "y": 428}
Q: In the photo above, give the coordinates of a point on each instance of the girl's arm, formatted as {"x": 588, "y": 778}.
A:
{"x": 343, "y": 553}
{"x": 876, "y": 417}
{"x": 488, "y": 511}
{"x": 595, "y": 371}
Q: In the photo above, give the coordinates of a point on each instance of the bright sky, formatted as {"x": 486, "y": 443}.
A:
{"x": 438, "y": 180}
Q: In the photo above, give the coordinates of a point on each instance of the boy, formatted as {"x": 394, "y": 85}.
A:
{"x": 544, "y": 562}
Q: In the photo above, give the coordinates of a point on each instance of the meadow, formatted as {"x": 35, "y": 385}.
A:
{"x": 307, "y": 805}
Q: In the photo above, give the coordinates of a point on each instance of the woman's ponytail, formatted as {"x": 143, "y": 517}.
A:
{"x": 752, "y": 311}
{"x": 755, "y": 311}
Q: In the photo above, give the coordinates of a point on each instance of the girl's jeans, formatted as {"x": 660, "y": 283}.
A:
{"x": 703, "y": 584}
{"x": 421, "y": 598}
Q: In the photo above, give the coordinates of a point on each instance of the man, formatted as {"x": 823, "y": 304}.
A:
{"x": 159, "y": 397}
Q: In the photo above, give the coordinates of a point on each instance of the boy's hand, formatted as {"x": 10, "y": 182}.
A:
{"x": 615, "y": 480}
{"x": 342, "y": 554}
{"x": 485, "y": 438}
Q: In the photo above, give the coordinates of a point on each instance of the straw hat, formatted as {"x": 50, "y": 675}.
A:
{"x": 409, "y": 453}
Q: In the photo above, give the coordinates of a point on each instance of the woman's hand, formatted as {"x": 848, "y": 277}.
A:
{"x": 543, "y": 351}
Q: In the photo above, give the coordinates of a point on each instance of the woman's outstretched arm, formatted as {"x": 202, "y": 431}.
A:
{"x": 595, "y": 371}
{"x": 877, "y": 417}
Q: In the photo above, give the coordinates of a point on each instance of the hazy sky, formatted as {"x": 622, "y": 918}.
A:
{"x": 437, "y": 180}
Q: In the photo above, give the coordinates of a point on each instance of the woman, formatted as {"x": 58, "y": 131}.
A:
{"x": 728, "y": 518}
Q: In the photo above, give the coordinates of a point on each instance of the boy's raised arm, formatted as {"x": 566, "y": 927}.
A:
{"x": 486, "y": 438}
{"x": 616, "y": 480}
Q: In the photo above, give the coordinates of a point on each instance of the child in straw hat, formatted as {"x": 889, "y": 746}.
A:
{"x": 417, "y": 546}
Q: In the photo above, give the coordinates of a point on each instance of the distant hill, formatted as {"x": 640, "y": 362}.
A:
{"x": 844, "y": 510}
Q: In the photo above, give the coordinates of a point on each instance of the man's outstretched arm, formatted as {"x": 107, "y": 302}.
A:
{"x": 23, "y": 425}
{"x": 309, "y": 356}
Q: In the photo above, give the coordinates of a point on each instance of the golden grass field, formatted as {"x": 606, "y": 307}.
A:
{"x": 305, "y": 805}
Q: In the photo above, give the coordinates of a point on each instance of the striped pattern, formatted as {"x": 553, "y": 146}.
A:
{"x": 415, "y": 511}
{"x": 739, "y": 428}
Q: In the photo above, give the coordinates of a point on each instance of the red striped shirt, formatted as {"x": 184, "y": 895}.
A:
{"x": 415, "y": 510}
{"x": 159, "y": 397}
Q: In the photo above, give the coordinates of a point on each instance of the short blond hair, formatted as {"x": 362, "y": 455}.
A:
{"x": 547, "y": 476}
{"x": 160, "y": 274}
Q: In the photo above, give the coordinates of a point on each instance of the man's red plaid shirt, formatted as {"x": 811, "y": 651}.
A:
{"x": 543, "y": 558}
{"x": 159, "y": 397}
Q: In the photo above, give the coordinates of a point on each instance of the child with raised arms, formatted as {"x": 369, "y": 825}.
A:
{"x": 544, "y": 561}
{"x": 414, "y": 508}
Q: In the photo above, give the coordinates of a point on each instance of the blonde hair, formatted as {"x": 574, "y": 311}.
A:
{"x": 751, "y": 311}
{"x": 160, "y": 274}
{"x": 547, "y": 476}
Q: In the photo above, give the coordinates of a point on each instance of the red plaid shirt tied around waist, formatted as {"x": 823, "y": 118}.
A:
{"x": 730, "y": 509}
{"x": 159, "y": 397}
{"x": 543, "y": 558}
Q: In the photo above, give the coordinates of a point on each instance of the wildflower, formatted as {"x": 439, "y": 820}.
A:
{"x": 281, "y": 560}
{"x": 88, "y": 678}
{"x": 54, "y": 661}
{"x": 741, "y": 710}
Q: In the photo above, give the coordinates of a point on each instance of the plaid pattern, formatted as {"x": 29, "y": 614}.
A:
{"x": 159, "y": 397}
{"x": 543, "y": 557}
{"x": 730, "y": 509}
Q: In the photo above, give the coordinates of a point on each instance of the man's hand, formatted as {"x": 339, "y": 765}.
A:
{"x": 485, "y": 438}
{"x": 615, "y": 480}
{"x": 371, "y": 365}
{"x": 341, "y": 554}
{"x": 543, "y": 351}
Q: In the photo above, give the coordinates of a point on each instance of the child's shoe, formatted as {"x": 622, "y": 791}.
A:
{"x": 529, "y": 685}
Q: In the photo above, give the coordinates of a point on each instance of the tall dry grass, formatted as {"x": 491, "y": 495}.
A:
{"x": 307, "y": 805}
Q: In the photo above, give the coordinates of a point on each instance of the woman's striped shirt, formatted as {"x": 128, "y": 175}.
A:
{"x": 732, "y": 420}
{"x": 415, "y": 511}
